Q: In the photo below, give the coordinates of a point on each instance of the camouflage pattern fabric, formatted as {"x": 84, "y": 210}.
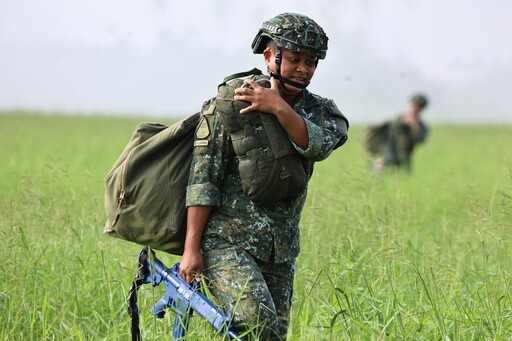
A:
{"x": 396, "y": 142}
{"x": 268, "y": 234}
{"x": 214, "y": 180}
{"x": 259, "y": 293}
{"x": 292, "y": 31}
{"x": 399, "y": 145}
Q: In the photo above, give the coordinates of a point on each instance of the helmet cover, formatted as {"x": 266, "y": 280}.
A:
{"x": 292, "y": 31}
{"x": 420, "y": 100}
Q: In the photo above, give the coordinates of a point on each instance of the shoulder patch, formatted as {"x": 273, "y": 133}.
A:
{"x": 203, "y": 129}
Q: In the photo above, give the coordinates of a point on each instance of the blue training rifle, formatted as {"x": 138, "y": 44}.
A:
{"x": 181, "y": 297}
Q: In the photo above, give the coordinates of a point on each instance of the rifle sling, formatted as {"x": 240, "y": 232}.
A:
{"x": 133, "y": 309}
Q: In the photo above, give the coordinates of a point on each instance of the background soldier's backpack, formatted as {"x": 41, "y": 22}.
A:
{"x": 270, "y": 168}
{"x": 375, "y": 136}
{"x": 145, "y": 189}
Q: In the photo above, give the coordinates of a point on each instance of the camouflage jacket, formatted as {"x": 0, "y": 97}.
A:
{"x": 215, "y": 181}
{"x": 399, "y": 142}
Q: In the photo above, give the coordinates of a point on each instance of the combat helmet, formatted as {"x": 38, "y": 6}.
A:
{"x": 420, "y": 100}
{"x": 295, "y": 32}
{"x": 292, "y": 31}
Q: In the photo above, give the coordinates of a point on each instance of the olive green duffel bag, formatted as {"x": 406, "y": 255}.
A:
{"x": 145, "y": 189}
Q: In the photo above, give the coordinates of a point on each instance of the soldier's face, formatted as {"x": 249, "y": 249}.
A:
{"x": 415, "y": 109}
{"x": 298, "y": 67}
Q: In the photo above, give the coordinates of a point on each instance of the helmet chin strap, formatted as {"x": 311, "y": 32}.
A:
{"x": 281, "y": 79}
{"x": 285, "y": 81}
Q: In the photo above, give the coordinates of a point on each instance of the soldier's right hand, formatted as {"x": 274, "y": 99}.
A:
{"x": 191, "y": 265}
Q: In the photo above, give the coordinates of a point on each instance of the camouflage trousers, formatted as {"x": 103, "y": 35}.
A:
{"x": 259, "y": 293}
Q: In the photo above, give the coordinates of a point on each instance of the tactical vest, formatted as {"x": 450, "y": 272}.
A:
{"x": 270, "y": 168}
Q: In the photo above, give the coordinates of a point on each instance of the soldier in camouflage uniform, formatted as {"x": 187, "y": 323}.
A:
{"x": 247, "y": 252}
{"x": 393, "y": 142}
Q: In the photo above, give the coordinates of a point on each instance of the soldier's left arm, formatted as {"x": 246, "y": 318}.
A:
{"x": 327, "y": 129}
{"x": 269, "y": 100}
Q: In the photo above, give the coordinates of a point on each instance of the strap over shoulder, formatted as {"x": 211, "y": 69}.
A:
{"x": 254, "y": 71}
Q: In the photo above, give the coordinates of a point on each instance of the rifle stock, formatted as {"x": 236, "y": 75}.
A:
{"x": 183, "y": 298}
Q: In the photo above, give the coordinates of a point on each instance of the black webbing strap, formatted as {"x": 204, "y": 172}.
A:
{"x": 254, "y": 71}
{"x": 133, "y": 309}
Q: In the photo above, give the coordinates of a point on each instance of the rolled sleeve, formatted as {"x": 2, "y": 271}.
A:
{"x": 202, "y": 195}
{"x": 315, "y": 141}
{"x": 327, "y": 129}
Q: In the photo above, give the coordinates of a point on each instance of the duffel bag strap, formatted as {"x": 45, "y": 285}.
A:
{"x": 254, "y": 71}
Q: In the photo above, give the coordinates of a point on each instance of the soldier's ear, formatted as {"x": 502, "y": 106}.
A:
{"x": 268, "y": 55}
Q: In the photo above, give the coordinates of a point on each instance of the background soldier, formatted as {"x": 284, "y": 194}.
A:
{"x": 247, "y": 252}
{"x": 393, "y": 142}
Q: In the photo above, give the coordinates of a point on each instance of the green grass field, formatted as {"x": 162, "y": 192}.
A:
{"x": 426, "y": 256}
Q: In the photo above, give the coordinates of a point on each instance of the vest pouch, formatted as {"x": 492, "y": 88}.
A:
{"x": 264, "y": 178}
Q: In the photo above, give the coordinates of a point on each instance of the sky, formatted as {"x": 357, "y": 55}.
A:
{"x": 165, "y": 58}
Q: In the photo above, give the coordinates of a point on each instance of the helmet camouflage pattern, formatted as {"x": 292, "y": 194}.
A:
{"x": 420, "y": 100}
{"x": 292, "y": 31}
